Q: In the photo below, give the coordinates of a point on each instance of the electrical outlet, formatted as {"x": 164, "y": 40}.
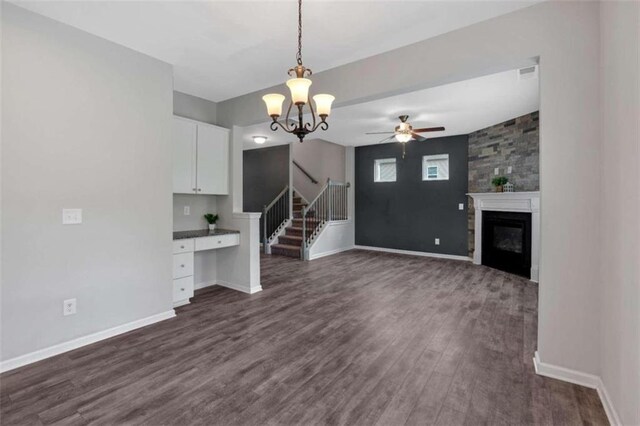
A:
{"x": 509, "y": 169}
{"x": 496, "y": 171}
{"x": 187, "y": 210}
{"x": 461, "y": 206}
{"x": 69, "y": 307}
{"x": 71, "y": 216}
{"x": 437, "y": 241}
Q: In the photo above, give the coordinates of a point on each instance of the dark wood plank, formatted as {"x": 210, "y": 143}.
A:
{"x": 358, "y": 338}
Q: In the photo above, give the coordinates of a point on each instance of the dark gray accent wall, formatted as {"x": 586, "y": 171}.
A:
{"x": 410, "y": 213}
{"x": 265, "y": 174}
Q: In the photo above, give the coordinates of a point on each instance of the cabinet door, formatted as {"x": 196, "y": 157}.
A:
{"x": 184, "y": 156}
{"x": 213, "y": 160}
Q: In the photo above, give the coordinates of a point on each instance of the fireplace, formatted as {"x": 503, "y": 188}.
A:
{"x": 506, "y": 241}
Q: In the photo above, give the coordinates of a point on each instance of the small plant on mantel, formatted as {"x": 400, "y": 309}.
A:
{"x": 211, "y": 219}
{"x": 498, "y": 182}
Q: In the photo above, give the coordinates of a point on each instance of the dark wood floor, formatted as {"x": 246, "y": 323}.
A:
{"x": 357, "y": 338}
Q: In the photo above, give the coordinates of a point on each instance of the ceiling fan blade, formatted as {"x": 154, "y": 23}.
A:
{"x": 417, "y": 137}
{"x": 379, "y": 133}
{"x": 389, "y": 139}
{"x": 429, "y": 129}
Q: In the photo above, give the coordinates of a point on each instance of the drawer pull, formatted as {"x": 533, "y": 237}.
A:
{"x": 182, "y": 266}
{"x": 182, "y": 289}
{"x": 219, "y": 242}
{"x": 181, "y": 247}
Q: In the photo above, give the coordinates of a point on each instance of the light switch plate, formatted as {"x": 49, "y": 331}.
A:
{"x": 461, "y": 206}
{"x": 509, "y": 169}
{"x": 437, "y": 241}
{"x": 496, "y": 171}
{"x": 187, "y": 210}
{"x": 71, "y": 216}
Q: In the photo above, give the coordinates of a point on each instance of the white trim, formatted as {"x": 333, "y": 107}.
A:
{"x": 609, "y": 409}
{"x": 60, "y": 348}
{"x": 415, "y": 253}
{"x": 564, "y": 374}
{"x": 527, "y": 202}
{"x": 202, "y": 123}
{"x": 579, "y": 378}
{"x": 247, "y": 215}
{"x": 239, "y": 287}
{"x": 182, "y": 302}
{"x": 330, "y": 252}
{"x": 204, "y": 284}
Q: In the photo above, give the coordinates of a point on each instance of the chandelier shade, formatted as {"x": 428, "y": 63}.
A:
{"x": 274, "y": 104}
{"x": 299, "y": 88}
{"x": 323, "y": 103}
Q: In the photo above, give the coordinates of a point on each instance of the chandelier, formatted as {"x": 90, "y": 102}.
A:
{"x": 299, "y": 87}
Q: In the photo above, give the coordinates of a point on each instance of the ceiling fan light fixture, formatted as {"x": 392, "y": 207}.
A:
{"x": 403, "y": 137}
{"x": 259, "y": 139}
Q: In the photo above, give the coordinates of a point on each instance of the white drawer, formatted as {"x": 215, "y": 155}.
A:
{"x": 182, "y": 265}
{"x": 217, "y": 241}
{"x": 183, "y": 246}
{"x": 182, "y": 289}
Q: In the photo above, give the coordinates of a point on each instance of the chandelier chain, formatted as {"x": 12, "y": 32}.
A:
{"x": 299, "y": 54}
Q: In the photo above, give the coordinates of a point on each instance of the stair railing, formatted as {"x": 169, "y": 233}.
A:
{"x": 331, "y": 204}
{"x": 306, "y": 173}
{"x": 275, "y": 217}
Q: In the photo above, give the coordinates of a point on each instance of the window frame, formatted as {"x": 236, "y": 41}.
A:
{"x": 426, "y": 166}
{"x": 376, "y": 169}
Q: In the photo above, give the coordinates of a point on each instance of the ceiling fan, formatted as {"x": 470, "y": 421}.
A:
{"x": 404, "y": 132}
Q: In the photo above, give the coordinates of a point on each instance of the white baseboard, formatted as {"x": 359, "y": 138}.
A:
{"x": 239, "y": 287}
{"x": 565, "y": 374}
{"x": 579, "y": 378}
{"x": 41, "y": 354}
{"x": 204, "y": 284}
{"x": 611, "y": 412}
{"x": 227, "y": 284}
{"x": 330, "y": 252}
{"x": 415, "y": 253}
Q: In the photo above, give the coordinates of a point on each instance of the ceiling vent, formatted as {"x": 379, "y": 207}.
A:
{"x": 528, "y": 73}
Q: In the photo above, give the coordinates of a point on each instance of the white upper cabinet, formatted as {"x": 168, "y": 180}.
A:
{"x": 213, "y": 160}
{"x": 184, "y": 156}
{"x": 200, "y": 158}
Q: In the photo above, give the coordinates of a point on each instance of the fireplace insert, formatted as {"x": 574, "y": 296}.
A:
{"x": 506, "y": 241}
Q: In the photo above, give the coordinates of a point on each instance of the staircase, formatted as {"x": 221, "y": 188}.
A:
{"x": 290, "y": 244}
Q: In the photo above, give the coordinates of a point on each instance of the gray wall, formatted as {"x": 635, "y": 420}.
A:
{"x": 199, "y": 205}
{"x": 195, "y": 108}
{"x": 514, "y": 143}
{"x": 322, "y": 160}
{"x": 620, "y": 245}
{"x": 265, "y": 173}
{"x": 86, "y": 124}
{"x": 410, "y": 213}
{"x": 202, "y": 110}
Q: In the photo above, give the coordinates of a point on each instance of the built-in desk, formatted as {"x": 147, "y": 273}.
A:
{"x": 185, "y": 243}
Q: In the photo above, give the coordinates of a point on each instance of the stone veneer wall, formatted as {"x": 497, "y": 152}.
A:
{"x": 513, "y": 143}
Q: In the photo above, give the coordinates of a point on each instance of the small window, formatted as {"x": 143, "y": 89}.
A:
{"x": 435, "y": 167}
{"x": 384, "y": 170}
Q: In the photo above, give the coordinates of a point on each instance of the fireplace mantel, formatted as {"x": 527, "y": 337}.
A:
{"x": 528, "y": 202}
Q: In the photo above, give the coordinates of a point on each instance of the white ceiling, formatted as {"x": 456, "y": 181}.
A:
{"x": 461, "y": 107}
{"x": 223, "y": 49}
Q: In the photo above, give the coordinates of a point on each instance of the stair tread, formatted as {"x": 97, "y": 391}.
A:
{"x": 292, "y": 237}
{"x": 285, "y": 246}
